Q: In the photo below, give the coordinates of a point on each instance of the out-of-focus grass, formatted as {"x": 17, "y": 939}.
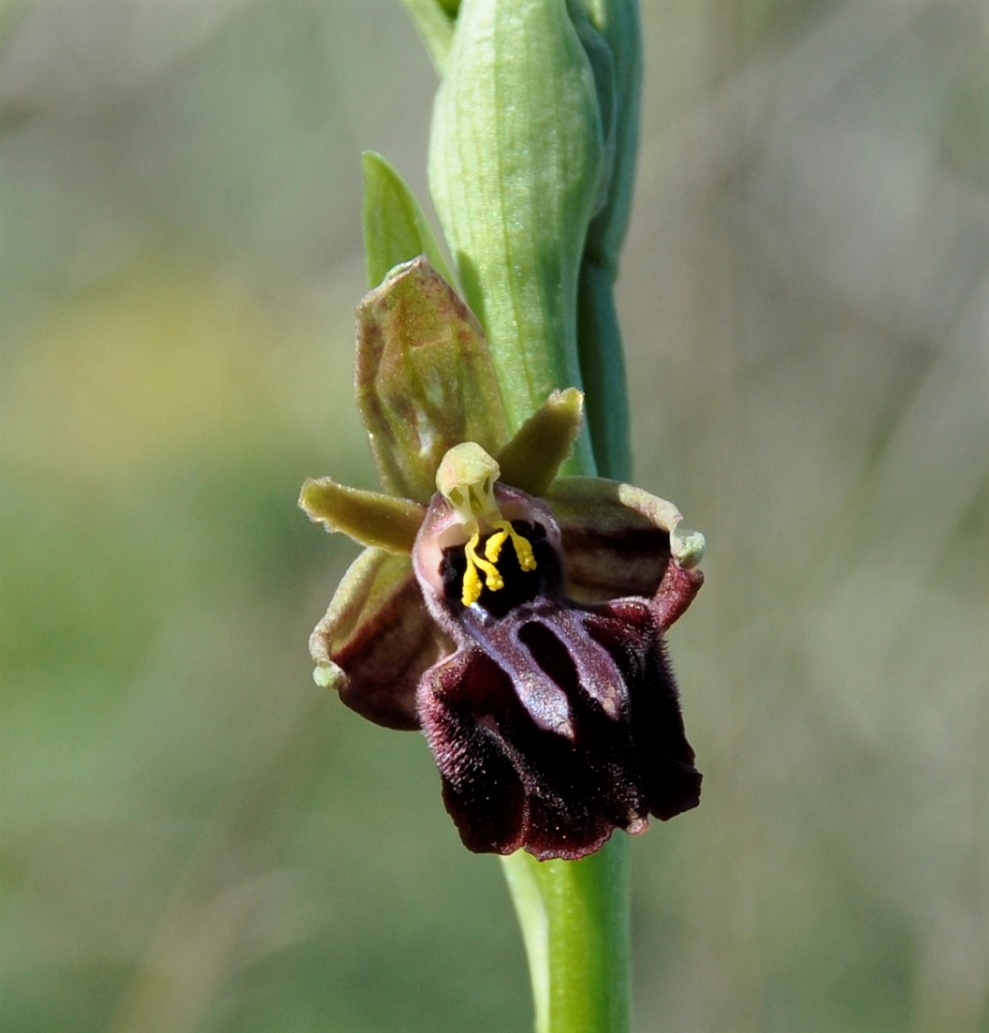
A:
{"x": 192, "y": 837}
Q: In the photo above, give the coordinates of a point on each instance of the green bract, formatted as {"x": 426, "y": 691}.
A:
{"x": 535, "y": 133}
{"x": 435, "y": 20}
{"x": 534, "y": 138}
{"x": 515, "y": 199}
{"x": 612, "y": 39}
{"x": 395, "y": 229}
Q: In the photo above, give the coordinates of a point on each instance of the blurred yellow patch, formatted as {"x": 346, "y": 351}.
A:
{"x": 138, "y": 371}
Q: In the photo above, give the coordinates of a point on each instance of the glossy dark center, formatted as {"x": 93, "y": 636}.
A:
{"x": 521, "y": 586}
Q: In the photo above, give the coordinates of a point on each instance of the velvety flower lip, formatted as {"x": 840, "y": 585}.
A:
{"x": 516, "y": 617}
{"x": 552, "y": 722}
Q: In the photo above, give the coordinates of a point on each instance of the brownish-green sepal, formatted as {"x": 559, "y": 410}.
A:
{"x": 395, "y": 228}
{"x": 532, "y": 459}
{"x": 376, "y": 640}
{"x": 618, "y": 540}
{"x": 367, "y": 516}
{"x": 425, "y": 381}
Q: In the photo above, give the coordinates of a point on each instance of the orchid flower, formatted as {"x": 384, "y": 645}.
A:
{"x": 515, "y": 616}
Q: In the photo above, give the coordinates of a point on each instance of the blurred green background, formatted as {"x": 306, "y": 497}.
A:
{"x": 192, "y": 836}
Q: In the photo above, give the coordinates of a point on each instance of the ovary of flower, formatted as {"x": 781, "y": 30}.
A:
{"x": 466, "y": 479}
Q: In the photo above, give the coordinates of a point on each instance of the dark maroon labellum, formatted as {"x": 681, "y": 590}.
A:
{"x": 553, "y": 723}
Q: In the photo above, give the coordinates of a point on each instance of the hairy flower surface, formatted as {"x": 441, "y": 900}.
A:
{"x": 514, "y": 617}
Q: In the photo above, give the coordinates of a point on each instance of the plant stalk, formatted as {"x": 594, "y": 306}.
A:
{"x": 574, "y": 918}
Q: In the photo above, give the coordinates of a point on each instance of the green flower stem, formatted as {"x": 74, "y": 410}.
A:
{"x": 574, "y": 919}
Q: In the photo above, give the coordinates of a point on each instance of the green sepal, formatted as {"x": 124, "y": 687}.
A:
{"x": 367, "y": 516}
{"x": 395, "y": 228}
{"x": 618, "y": 539}
{"x": 532, "y": 459}
{"x": 425, "y": 380}
{"x": 434, "y": 20}
{"x": 376, "y": 639}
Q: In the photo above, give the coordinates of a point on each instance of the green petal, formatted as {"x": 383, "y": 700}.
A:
{"x": 425, "y": 381}
{"x": 395, "y": 228}
{"x": 617, "y": 539}
{"x": 376, "y": 639}
{"x": 367, "y": 516}
{"x": 532, "y": 459}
